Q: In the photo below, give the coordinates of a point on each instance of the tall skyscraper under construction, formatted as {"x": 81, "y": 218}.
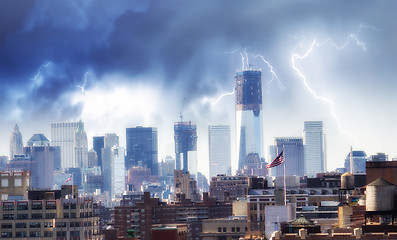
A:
{"x": 185, "y": 136}
{"x": 248, "y": 114}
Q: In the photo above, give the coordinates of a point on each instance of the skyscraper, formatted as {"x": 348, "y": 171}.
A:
{"x": 98, "y": 144}
{"x": 359, "y": 160}
{"x": 185, "y": 136}
{"x": 16, "y": 143}
{"x": 111, "y": 142}
{"x": 219, "y": 150}
{"x": 293, "y": 156}
{"x": 142, "y": 148}
{"x": 43, "y": 160}
{"x": 62, "y": 135}
{"x": 248, "y": 114}
{"x": 80, "y": 149}
{"x": 315, "y": 155}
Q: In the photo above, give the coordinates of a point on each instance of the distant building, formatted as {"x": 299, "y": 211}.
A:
{"x": 38, "y": 158}
{"x": 293, "y": 156}
{"x": 63, "y": 135}
{"x": 16, "y": 142}
{"x": 315, "y": 150}
{"x": 111, "y": 141}
{"x": 185, "y": 187}
{"x": 379, "y": 157}
{"x": 248, "y": 85}
{"x": 219, "y": 150}
{"x": 359, "y": 161}
{"x": 228, "y": 188}
{"x": 202, "y": 182}
{"x": 98, "y": 144}
{"x": 80, "y": 148}
{"x": 142, "y": 148}
{"x": 118, "y": 171}
{"x": 167, "y": 167}
{"x": 185, "y": 136}
{"x": 92, "y": 158}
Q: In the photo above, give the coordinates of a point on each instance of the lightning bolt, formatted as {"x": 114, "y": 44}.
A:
{"x": 82, "y": 87}
{"x": 214, "y": 101}
{"x": 314, "y": 45}
{"x": 274, "y": 74}
{"x": 37, "y": 80}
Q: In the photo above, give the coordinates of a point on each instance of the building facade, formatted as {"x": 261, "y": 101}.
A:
{"x": 185, "y": 136}
{"x": 293, "y": 156}
{"x": 80, "y": 148}
{"x": 97, "y": 144}
{"x": 142, "y": 148}
{"x": 219, "y": 150}
{"x": 63, "y": 135}
{"x": 315, "y": 150}
{"x": 16, "y": 142}
{"x": 248, "y": 90}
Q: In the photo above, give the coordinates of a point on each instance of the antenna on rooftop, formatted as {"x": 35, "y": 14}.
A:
{"x": 181, "y": 112}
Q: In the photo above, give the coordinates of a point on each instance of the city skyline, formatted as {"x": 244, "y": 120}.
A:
{"x": 134, "y": 65}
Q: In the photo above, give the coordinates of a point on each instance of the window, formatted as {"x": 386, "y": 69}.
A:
{"x": 22, "y": 207}
{"x": 6, "y": 234}
{"x": 65, "y": 215}
{"x": 47, "y": 234}
{"x": 6, "y": 225}
{"x": 8, "y": 207}
{"x": 37, "y": 216}
{"x": 20, "y": 225}
{"x": 4, "y": 182}
{"x": 4, "y": 197}
{"x": 238, "y": 229}
{"x": 233, "y": 229}
{"x": 219, "y": 229}
{"x": 8, "y": 216}
{"x": 73, "y": 215}
{"x": 22, "y": 216}
{"x": 35, "y": 234}
{"x": 18, "y": 182}
{"x": 50, "y": 215}
{"x": 48, "y": 224}
{"x": 37, "y": 206}
{"x": 20, "y": 234}
{"x": 35, "y": 225}
{"x": 224, "y": 229}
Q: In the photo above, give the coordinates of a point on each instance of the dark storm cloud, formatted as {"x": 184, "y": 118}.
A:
{"x": 180, "y": 40}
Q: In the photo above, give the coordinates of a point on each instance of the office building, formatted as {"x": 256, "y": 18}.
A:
{"x": 111, "y": 142}
{"x": 118, "y": 171}
{"x": 141, "y": 147}
{"x": 185, "y": 187}
{"x": 248, "y": 115}
{"x": 359, "y": 160}
{"x": 42, "y": 157}
{"x": 315, "y": 155}
{"x": 47, "y": 214}
{"x": 63, "y": 135}
{"x": 228, "y": 188}
{"x": 293, "y": 156}
{"x": 80, "y": 149}
{"x": 98, "y": 144}
{"x": 16, "y": 143}
{"x": 185, "y": 136}
{"x": 219, "y": 150}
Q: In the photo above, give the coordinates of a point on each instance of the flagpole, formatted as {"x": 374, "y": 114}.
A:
{"x": 285, "y": 186}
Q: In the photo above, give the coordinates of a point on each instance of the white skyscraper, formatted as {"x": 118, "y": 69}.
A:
{"x": 118, "y": 171}
{"x": 219, "y": 150}
{"x": 80, "y": 150}
{"x": 16, "y": 143}
{"x": 111, "y": 142}
{"x": 315, "y": 145}
{"x": 63, "y": 135}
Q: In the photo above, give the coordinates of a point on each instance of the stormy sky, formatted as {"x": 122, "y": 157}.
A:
{"x": 118, "y": 64}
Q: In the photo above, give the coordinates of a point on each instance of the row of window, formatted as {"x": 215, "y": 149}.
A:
{"x": 31, "y": 225}
{"x": 233, "y": 229}
{"x": 26, "y": 216}
{"x": 24, "y": 234}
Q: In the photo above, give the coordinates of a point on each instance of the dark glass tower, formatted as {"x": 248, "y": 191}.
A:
{"x": 142, "y": 150}
{"x": 185, "y": 136}
{"x": 98, "y": 144}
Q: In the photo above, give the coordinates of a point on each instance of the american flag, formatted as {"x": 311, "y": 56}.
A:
{"x": 277, "y": 161}
{"x": 69, "y": 179}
